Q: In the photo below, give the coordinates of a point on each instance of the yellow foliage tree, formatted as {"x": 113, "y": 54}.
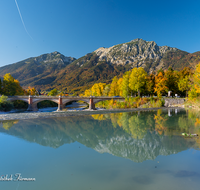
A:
{"x": 160, "y": 84}
{"x": 32, "y": 91}
{"x": 114, "y": 88}
{"x": 119, "y": 83}
{"x": 137, "y": 79}
{"x": 97, "y": 89}
{"x": 184, "y": 84}
{"x": 87, "y": 92}
{"x": 125, "y": 84}
{"x": 11, "y": 86}
{"x": 197, "y": 78}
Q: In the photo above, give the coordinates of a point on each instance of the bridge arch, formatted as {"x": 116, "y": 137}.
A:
{"x": 65, "y": 101}
{"x": 38, "y": 101}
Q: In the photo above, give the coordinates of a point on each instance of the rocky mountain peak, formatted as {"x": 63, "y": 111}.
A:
{"x": 137, "y": 39}
{"x": 54, "y": 57}
{"x": 136, "y": 53}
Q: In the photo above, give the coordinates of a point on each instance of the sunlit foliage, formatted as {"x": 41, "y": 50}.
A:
{"x": 53, "y": 92}
{"x": 160, "y": 84}
{"x": 11, "y": 86}
{"x": 32, "y": 91}
{"x": 137, "y": 79}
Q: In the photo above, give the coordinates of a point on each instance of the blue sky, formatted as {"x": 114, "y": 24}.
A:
{"x": 77, "y": 27}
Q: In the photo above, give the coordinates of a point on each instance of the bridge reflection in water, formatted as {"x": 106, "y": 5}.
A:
{"x": 60, "y": 100}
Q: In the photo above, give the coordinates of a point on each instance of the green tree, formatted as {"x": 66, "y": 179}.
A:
{"x": 137, "y": 79}
{"x": 172, "y": 80}
{"x": 137, "y": 127}
{"x": 53, "y": 92}
{"x": 106, "y": 90}
{"x": 5, "y": 105}
{"x": 150, "y": 84}
{"x": 184, "y": 84}
{"x": 186, "y": 71}
{"x": 11, "y": 86}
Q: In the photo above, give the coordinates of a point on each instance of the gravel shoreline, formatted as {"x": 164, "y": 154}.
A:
{"x": 35, "y": 115}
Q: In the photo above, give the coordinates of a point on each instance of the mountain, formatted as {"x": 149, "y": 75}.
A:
{"x": 39, "y": 70}
{"x": 68, "y": 74}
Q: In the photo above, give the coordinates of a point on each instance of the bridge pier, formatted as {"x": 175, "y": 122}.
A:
{"x": 91, "y": 104}
{"x": 60, "y": 104}
{"x": 31, "y": 106}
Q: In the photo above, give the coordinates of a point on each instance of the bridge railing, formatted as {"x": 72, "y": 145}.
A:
{"x": 71, "y": 97}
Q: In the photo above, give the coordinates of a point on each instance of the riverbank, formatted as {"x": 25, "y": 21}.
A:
{"x": 35, "y": 115}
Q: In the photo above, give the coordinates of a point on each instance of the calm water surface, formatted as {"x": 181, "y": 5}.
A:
{"x": 121, "y": 151}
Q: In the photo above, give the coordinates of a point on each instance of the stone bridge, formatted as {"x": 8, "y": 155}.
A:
{"x": 60, "y": 100}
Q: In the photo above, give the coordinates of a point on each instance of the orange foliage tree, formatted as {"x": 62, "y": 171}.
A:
{"x": 31, "y": 91}
{"x": 160, "y": 84}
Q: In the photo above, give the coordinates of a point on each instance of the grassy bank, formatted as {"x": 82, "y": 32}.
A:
{"x": 193, "y": 103}
{"x": 132, "y": 102}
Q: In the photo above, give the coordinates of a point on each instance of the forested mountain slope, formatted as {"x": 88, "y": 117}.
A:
{"x": 68, "y": 74}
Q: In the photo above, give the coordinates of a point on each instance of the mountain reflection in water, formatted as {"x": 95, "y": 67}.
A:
{"x": 137, "y": 136}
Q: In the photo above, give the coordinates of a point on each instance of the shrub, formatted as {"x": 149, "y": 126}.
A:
{"x": 5, "y": 105}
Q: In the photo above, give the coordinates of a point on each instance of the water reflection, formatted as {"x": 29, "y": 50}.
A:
{"x": 135, "y": 136}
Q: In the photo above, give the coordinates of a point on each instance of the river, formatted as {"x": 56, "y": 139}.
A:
{"x": 110, "y": 151}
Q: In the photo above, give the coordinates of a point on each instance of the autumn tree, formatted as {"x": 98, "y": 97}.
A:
{"x": 150, "y": 84}
{"x": 97, "y": 89}
{"x": 172, "y": 80}
{"x": 11, "y": 86}
{"x": 137, "y": 79}
{"x": 186, "y": 71}
{"x": 160, "y": 84}
{"x": 19, "y": 89}
{"x": 160, "y": 70}
{"x": 32, "y": 91}
{"x": 197, "y": 78}
{"x": 185, "y": 80}
{"x": 184, "y": 84}
{"x": 125, "y": 84}
{"x": 87, "y": 93}
{"x": 119, "y": 84}
{"x": 106, "y": 90}
{"x": 114, "y": 88}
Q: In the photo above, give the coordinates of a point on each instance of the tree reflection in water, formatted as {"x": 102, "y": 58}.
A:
{"x": 137, "y": 136}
